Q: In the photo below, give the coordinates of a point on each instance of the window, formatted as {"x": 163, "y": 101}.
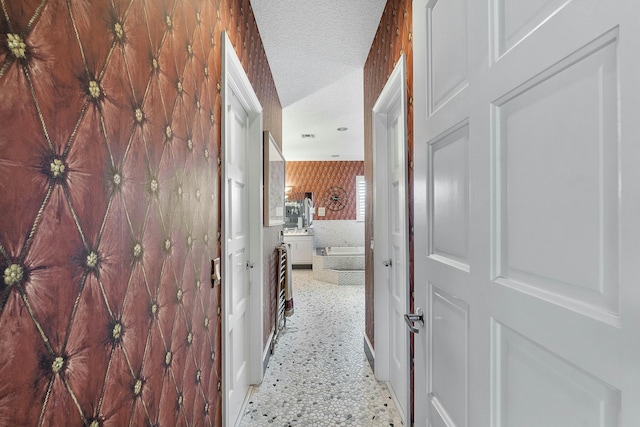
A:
{"x": 361, "y": 191}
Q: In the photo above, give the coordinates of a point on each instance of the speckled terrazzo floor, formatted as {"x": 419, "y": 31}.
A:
{"x": 318, "y": 374}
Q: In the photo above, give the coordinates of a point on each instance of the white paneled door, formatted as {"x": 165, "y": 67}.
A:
{"x": 397, "y": 264}
{"x": 237, "y": 253}
{"x": 527, "y": 213}
{"x": 241, "y": 236}
{"x": 391, "y": 231}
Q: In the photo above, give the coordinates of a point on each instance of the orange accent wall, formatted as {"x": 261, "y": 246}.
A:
{"x": 110, "y": 120}
{"x": 318, "y": 178}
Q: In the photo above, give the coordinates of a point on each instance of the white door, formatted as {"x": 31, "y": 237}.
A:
{"x": 237, "y": 254}
{"x": 391, "y": 269}
{"x": 242, "y": 320}
{"x": 527, "y": 213}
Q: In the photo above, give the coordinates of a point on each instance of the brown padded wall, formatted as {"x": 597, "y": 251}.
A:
{"x": 110, "y": 207}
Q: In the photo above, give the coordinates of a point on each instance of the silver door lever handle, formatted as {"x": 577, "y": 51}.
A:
{"x": 417, "y": 317}
{"x": 387, "y": 263}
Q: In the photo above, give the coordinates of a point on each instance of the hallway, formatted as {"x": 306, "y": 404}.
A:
{"x": 318, "y": 374}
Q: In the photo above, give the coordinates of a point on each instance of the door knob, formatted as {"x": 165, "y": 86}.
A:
{"x": 417, "y": 317}
{"x": 387, "y": 263}
{"x": 250, "y": 265}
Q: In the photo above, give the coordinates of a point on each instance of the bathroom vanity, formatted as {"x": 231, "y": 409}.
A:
{"x": 301, "y": 243}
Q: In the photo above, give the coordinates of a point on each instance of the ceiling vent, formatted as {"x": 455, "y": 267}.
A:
{"x": 308, "y": 135}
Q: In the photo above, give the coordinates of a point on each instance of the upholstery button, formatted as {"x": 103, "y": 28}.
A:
{"x": 137, "y": 388}
{"x": 137, "y": 250}
{"x": 16, "y": 46}
{"x": 13, "y": 274}
{"x": 92, "y": 260}
{"x": 94, "y": 89}
{"x": 57, "y": 365}
{"x": 116, "y": 332}
{"x": 117, "y": 28}
{"x": 57, "y": 168}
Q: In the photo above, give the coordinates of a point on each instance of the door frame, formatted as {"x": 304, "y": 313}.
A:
{"x": 235, "y": 79}
{"x": 395, "y": 90}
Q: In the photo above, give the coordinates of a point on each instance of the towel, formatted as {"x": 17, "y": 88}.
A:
{"x": 288, "y": 285}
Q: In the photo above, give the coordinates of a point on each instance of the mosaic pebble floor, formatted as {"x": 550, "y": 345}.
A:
{"x": 318, "y": 374}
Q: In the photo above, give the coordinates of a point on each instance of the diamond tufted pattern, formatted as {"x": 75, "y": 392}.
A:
{"x": 318, "y": 177}
{"x": 110, "y": 213}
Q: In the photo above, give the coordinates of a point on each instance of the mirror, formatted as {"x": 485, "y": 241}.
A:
{"x": 274, "y": 180}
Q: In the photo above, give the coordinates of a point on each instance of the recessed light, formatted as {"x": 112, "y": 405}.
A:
{"x": 342, "y": 129}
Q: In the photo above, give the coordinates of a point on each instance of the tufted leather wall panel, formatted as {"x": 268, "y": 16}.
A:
{"x": 110, "y": 207}
{"x": 393, "y": 38}
{"x": 318, "y": 177}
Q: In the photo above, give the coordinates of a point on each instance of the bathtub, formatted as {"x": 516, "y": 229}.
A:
{"x": 344, "y": 250}
{"x": 341, "y": 265}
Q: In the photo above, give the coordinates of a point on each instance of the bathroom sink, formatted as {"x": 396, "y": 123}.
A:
{"x": 298, "y": 232}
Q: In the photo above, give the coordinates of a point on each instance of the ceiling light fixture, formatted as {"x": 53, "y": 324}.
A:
{"x": 342, "y": 129}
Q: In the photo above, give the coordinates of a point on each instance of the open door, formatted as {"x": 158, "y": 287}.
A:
{"x": 527, "y": 224}
{"x": 241, "y": 235}
{"x": 391, "y": 266}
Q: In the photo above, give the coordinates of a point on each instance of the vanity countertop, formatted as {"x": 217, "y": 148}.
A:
{"x": 298, "y": 231}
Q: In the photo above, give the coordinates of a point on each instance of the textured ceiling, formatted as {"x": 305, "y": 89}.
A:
{"x": 316, "y": 51}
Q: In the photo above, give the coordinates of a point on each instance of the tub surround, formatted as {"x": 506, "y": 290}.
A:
{"x": 339, "y": 269}
{"x": 338, "y": 233}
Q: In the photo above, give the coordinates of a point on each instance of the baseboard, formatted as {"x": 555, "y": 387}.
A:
{"x": 370, "y": 353}
{"x": 266, "y": 353}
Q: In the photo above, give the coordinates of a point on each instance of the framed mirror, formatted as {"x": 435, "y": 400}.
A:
{"x": 274, "y": 180}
